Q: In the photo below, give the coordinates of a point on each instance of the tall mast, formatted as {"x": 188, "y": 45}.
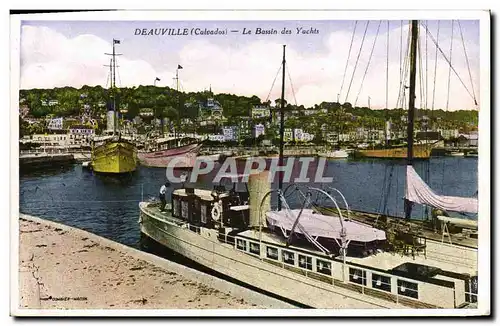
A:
{"x": 282, "y": 124}
{"x": 112, "y": 69}
{"x": 411, "y": 103}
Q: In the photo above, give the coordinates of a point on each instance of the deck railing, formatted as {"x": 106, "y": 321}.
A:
{"x": 366, "y": 281}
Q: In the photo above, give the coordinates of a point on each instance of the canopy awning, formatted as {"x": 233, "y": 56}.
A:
{"x": 319, "y": 225}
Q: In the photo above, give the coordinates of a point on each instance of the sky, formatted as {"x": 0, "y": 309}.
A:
{"x": 71, "y": 53}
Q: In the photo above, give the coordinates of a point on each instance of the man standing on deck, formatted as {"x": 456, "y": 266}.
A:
{"x": 163, "y": 193}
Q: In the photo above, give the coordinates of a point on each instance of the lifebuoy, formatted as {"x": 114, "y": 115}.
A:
{"x": 216, "y": 212}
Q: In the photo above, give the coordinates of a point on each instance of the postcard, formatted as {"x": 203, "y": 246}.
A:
{"x": 250, "y": 163}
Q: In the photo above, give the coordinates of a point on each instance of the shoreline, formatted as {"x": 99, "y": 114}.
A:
{"x": 62, "y": 267}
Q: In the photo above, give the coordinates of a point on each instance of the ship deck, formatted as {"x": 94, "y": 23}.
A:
{"x": 437, "y": 254}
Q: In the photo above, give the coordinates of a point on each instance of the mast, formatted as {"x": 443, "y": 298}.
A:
{"x": 411, "y": 103}
{"x": 112, "y": 68}
{"x": 282, "y": 125}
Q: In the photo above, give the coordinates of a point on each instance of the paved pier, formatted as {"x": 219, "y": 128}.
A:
{"x": 61, "y": 267}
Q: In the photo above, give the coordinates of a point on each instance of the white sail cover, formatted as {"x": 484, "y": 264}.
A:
{"x": 419, "y": 192}
{"x": 326, "y": 226}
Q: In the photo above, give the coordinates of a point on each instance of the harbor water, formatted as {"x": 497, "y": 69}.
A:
{"x": 108, "y": 205}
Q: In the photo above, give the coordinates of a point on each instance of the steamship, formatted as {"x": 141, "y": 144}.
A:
{"x": 320, "y": 254}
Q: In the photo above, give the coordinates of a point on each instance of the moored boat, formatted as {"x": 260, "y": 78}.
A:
{"x": 168, "y": 150}
{"x": 338, "y": 154}
{"x": 113, "y": 153}
{"x": 420, "y": 151}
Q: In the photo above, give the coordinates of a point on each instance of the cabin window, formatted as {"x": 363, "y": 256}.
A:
{"x": 184, "y": 208}
{"x": 288, "y": 257}
{"x": 203, "y": 213}
{"x": 254, "y": 248}
{"x": 471, "y": 290}
{"x": 241, "y": 244}
{"x": 381, "y": 282}
{"x": 357, "y": 276}
{"x": 408, "y": 289}
{"x": 177, "y": 208}
{"x": 305, "y": 262}
{"x": 272, "y": 253}
{"x": 324, "y": 267}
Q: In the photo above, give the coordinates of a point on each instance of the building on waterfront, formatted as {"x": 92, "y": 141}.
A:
{"x": 429, "y": 137}
{"x": 258, "y": 130}
{"x": 230, "y": 133}
{"x": 260, "y": 112}
{"x": 468, "y": 140}
{"x": 448, "y": 133}
{"x": 287, "y": 135}
{"x": 55, "y": 124}
{"x": 215, "y": 137}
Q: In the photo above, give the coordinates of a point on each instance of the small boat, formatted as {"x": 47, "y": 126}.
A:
{"x": 471, "y": 154}
{"x": 164, "y": 151}
{"x": 338, "y": 154}
{"x": 455, "y": 153}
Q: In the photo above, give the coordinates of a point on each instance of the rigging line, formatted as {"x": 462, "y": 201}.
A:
{"x": 272, "y": 86}
{"x": 291, "y": 85}
{"x": 435, "y": 69}
{"x": 404, "y": 73}
{"x": 448, "y": 61}
{"x": 401, "y": 55}
{"x": 387, "y": 74}
{"x": 348, "y": 56}
{"x": 426, "y": 72}
{"x": 357, "y": 59}
{"x": 449, "y": 70}
{"x": 420, "y": 77}
{"x": 368, "y": 64}
{"x": 467, "y": 60}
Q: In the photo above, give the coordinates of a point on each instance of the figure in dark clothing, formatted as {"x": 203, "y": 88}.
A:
{"x": 163, "y": 193}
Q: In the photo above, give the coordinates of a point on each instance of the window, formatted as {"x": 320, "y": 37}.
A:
{"x": 184, "y": 209}
{"x": 288, "y": 257}
{"x": 241, "y": 244}
{"x": 203, "y": 214}
{"x": 254, "y": 248}
{"x": 323, "y": 267}
{"x": 408, "y": 289}
{"x": 272, "y": 253}
{"x": 305, "y": 262}
{"x": 381, "y": 282}
{"x": 357, "y": 276}
{"x": 177, "y": 208}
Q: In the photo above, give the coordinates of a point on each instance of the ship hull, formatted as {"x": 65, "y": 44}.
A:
{"x": 419, "y": 152}
{"x": 182, "y": 157}
{"x": 114, "y": 157}
{"x": 242, "y": 267}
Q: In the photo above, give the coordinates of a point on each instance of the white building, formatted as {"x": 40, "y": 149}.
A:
{"x": 258, "y": 130}
{"x": 230, "y": 133}
{"x": 219, "y": 138}
{"x": 260, "y": 112}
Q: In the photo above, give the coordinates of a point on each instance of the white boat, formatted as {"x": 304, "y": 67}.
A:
{"x": 456, "y": 154}
{"x": 338, "y": 154}
{"x": 472, "y": 154}
{"x": 309, "y": 267}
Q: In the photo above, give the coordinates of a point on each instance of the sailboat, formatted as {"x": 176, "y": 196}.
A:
{"x": 317, "y": 255}
{"x": 161, "y": 151}
{"x": 112, "y": 152}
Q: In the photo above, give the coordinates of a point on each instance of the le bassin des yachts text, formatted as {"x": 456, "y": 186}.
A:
{"x": 300, "y": 30}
